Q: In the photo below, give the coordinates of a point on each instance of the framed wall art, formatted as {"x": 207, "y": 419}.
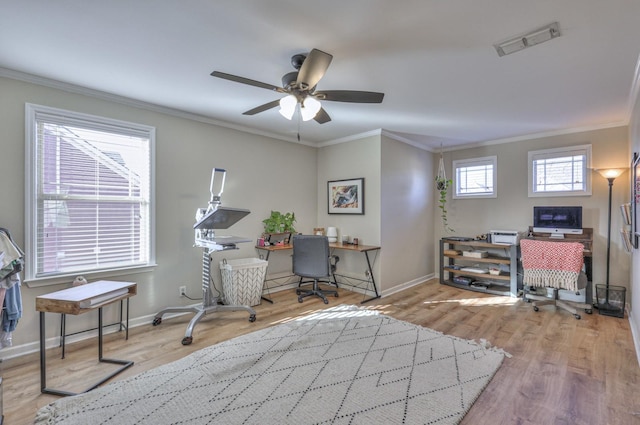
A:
{"x": 346, "y": 196}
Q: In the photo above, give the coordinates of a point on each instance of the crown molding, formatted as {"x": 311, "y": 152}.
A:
{"x": 127, "y": 101}
{"x": 73, "y": 88}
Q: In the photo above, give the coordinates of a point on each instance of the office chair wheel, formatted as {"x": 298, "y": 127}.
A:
{"x": 326, "y": 301}
{"x": 336, "y": 295}
{"x": 252, "y": 317}
{"x": 157, "y": 321}
{"x": 577, "y": 316}
{"x": 297, "y": 292}
{"x": 299, "y": 299}
{"x": 187, "y": 340}
{"x": 588, "y": 311}
{"x": 535, "y": 308}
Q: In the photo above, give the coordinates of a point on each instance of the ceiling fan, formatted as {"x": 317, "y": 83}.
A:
{"x": 300, "y": 89}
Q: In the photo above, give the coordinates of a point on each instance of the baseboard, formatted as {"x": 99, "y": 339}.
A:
{"x": 635, "y": 334}
{"x": 407, "y": 285}
{"x": 34, "y": 347}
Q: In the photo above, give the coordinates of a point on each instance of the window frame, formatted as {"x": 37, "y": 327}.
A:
{"x": 471, "y": 162}
{"x": 560, "y": 152}
{"x": 31, "y": 192}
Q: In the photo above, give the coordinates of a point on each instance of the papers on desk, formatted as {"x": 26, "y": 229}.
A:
{"x": 103, "y": 298}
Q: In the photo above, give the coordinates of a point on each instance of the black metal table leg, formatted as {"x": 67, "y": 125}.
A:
{"x": 43, "y": 360}
{"x": 373, "y": 280}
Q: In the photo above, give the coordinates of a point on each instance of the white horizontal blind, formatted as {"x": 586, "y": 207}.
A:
{"x": 91, "y": 197}
{"x": 475, "y": 177}
{"x": 561, "y": 171}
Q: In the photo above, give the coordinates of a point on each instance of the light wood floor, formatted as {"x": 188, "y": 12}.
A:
{"x": 563, "y": 370}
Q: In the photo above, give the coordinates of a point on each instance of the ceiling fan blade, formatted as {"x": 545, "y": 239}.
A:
{"x": 243, "y": 80}
{"x": 350, "y": 96}
{"x": 313, "y": 69}
{"x": 262, "y": 108}
{"x": 322, "y": 116}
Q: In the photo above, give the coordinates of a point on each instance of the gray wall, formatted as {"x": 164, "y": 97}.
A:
{"x": 186, "y": 152}
{"x": 513, "y": 209}
{"x": 398, "y": 207}
{"x": 407, "y": 210}
{"x": 401, "y": 203}
{"x": 358, "y": 158}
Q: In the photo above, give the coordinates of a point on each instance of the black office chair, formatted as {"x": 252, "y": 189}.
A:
{"x": 312, "y": 260}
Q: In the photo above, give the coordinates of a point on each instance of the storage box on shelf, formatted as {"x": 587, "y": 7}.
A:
{"x": 479, "y": 270}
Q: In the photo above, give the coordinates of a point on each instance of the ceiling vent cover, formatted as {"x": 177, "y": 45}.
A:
{"x": 521, "y": 42}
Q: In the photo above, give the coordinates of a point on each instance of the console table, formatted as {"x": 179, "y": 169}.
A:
{"x": 454, "y": 263}
{"x": 79, "y": 300}
{"x": 365, "y": 249}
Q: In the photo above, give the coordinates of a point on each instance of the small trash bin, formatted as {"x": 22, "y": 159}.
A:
{"x": 611, "y": 300}
{"x": 242, "y": 280}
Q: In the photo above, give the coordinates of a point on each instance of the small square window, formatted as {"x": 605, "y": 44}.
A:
{"x": 560, "y": 171}
{"x": 475, "y": 178}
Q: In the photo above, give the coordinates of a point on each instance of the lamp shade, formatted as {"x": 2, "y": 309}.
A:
{"x": 610, "y": 173}
{"x": 288, "y": 106}
{"x": 309, "y": 108}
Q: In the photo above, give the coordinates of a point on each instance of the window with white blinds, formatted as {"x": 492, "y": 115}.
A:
{"x": 89, "y": 194}
{"x": 560, "y": 171}
{"x": 475, "y": 178}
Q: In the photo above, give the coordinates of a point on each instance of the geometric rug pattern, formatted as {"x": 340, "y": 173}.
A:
{"x": 342, "y": 365}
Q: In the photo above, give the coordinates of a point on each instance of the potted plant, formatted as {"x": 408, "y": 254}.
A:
{"x": 279, "y": 226}
{"x": 442, "y": 185}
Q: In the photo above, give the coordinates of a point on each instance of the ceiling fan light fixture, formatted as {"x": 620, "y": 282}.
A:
{"x": 309, "y": 108}
{"x": 288, "y": 106}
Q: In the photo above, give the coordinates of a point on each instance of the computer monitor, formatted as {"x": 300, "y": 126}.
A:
{"x": 558, "y": 221}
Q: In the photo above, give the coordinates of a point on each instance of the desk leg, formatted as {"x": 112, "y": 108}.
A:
{"x": 265, "y": 278}
{"x": 373, "y": 280}
{"x": 43, "y": 360}
{"x": 43, "y": 356}
{"x": 127, "y": 329}
{"x": 100, "y": 334}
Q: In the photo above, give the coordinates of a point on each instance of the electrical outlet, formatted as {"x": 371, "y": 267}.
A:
{"x": 183, "y": 291}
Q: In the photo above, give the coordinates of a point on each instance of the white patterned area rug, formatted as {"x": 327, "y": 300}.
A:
{"x": 343, "y": 365}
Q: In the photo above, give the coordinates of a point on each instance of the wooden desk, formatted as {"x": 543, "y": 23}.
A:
{"x": 365, "y": 249}
{"x": 586, "y": 239}
{"x": 80, "y": 300}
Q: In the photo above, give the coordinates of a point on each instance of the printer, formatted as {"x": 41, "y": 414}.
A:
{"x": 506, "y": 237}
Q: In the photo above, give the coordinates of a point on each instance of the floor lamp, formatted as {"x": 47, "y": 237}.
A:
{"x": 610, "y": 174}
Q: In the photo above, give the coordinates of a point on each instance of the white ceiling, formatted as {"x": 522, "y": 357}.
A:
{"x": 434, "y": 60}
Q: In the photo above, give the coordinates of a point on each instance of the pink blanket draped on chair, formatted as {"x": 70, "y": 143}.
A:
{"x": 551, "y": 264}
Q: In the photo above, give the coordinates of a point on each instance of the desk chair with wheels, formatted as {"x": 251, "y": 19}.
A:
{"x": 312, "y": 260}
{"x": 553, "y": 265}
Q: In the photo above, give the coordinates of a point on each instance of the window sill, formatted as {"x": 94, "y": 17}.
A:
{"x": 90, "y": 276}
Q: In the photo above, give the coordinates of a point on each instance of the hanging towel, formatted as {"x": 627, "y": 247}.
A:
{"x": 552, "y": 264}
{"x": 12, "y": 310}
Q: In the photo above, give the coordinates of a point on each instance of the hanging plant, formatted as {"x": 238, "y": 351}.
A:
{"x": 442, "y": 185}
